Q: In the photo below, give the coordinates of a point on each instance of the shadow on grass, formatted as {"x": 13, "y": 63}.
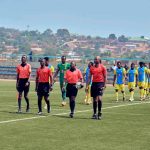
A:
{"x": 75, "y": 117}
{"x": 15, "y": 112}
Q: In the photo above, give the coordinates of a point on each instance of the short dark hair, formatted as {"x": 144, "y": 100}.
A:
{"x": 91, "y": 63}
{"x": 46, "y": 58}
{"x": 24, "y": 55}
{"x": 40, "y": 59}
{"x": 141, "y": 63}
{"x": 63, "y": 56}
{"x": 132, "y": 63}
{"x": 118, "y": 62}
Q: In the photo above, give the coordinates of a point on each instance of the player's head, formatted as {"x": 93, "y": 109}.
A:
{"x": 42, "y": 62}
{"x": 126, "y": 67}
{"x": 132, "y": 66}
{"x": 97, "y": 60}
{"x": 145, "y": 64}
{"x": 119, "y": 64}
{"x": 90, "y": 64}
{"x": 46, "y": 61}
{"x": 63, "y": 59}
{"x": 24, "y": 59}
{"x": 141, "y": 64}
{"x": 72, "y": 65}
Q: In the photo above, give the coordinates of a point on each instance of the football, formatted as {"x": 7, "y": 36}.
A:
{"x": 79, "y": 85}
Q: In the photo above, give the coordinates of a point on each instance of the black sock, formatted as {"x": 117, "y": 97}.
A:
{"x": 27, "y": 101}
{"x": 40, "y": 105}
{"x": 19, "y": 103}
{"x": 94, "y": 106}
{"x": 48, "y": 105}
{"x": 72, "y": 106}
{"x": 99, "y": 106}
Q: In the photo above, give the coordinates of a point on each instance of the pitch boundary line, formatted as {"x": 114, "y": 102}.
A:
{"x": 130, "y": 114}
{"x": 13, "y": 106}
{"x": 109, "y": 107}
{"x": 59, "y": 114}
{"x": 16, "y": 120}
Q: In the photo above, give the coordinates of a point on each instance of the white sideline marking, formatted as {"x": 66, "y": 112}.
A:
{"x": 129, "y": 114}
{"x": 105, "y": 108}
{"x": 31, "y": 92}
{"x": 16, "y": 120}
{"x": 14, "y": 106}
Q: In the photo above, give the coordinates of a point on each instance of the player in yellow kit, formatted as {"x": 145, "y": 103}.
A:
{"x": 148, "y": 82}
{"x": 88, "y": 94}
{"x": 132, "y": 80}
{"x": 119, "y": 80}
{"x": 142, "y": 71}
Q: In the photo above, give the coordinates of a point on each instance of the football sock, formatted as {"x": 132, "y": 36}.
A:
{"x": 145, "y": 92}
{"x": 19, "y": 103}
{"x": 99, "y": 106}
{"x": 27, "y": 101}
{"x": 132, "y": 94}
{"x": 40, "y": 104}
{"x": 123, "y": 94}
{"x": 95, "y": 106}
{"x": 48, "y": 105}
{"x": 72, "y": 106}
{"x": 116, "y": 96}
{"x": 141, "y": 93}
{"x": 64, "y": 95}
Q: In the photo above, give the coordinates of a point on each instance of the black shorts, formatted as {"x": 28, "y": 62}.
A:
{"x": 97, "y": 89}
{"x": 21, "y": 86}
{"x": 43, "y": 89}
{"x": 71, "y": 90}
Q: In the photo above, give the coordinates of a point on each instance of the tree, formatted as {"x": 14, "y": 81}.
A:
{"x": 47, "y": 32}
{"x": 50, "y": 51}
{"x": 98, "y": 38}
{"x": 89, "y": 37}
{"x": 64, "y": 33}
{"x": 142, "y": 37}
{"x": 112, "y": 36}
{"x": 122, "y": 38}
{"x": 24, "y": 48}
{"x": 34, "y": 33}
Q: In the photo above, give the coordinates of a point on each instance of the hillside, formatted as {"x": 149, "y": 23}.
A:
{"x": 13, "y": 41}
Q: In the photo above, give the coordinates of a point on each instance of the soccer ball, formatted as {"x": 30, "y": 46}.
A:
{"x": 79, "y": 85}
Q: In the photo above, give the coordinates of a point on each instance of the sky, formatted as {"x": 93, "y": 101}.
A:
{"x": 86, "y": 17}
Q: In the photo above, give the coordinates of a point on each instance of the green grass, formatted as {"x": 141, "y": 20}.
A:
{"x": 122, "y": 128}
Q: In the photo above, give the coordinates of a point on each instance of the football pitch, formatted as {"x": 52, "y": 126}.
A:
{"x": 124, "y": 125}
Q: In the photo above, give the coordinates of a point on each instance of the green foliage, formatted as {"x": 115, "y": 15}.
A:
{"x": 106, "y": 54}
{"x": 25, "y": 48}
{"x": 112, "y": 36}
{"x": 63, "y": 33}
{"x": 47, "y": 33}
{"x": 122, "y": 38}
{"x": 50, "y": 51}
{"x": 56, "y": 43}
